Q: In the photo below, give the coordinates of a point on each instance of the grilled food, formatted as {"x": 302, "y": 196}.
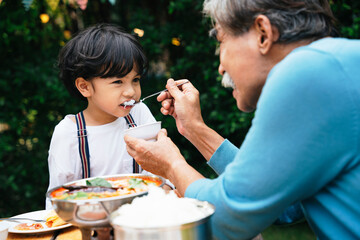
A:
{"x": 53, "y": 220}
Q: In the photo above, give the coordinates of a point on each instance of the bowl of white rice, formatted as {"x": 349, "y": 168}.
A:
{"x": 163, "y": 216}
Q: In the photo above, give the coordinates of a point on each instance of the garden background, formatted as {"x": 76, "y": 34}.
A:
{"x": 174, "y": 35}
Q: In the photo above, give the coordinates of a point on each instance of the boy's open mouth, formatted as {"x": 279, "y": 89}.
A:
{"x": 129, "y": 103}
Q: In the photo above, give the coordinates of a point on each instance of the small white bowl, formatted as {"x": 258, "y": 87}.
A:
{"x": 147, "y": 131}
{"x": 4, "y": 226}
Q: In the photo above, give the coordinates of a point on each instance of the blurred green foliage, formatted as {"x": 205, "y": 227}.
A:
{"x": 299, "y": 231}
{"x": 32, "y": 100}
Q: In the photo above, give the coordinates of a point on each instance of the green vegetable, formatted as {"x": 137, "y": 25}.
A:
{"x": 77, "y": 195}
{"x": 100, "y": 182}
{"x": 136, "y": 183}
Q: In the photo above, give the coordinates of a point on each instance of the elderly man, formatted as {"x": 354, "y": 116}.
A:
{"x": 304, "y": 142}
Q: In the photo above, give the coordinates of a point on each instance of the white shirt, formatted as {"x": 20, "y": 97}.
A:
{"x": 107, "y": 148}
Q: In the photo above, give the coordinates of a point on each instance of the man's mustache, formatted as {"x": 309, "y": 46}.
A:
{"x": 227, "y": 82}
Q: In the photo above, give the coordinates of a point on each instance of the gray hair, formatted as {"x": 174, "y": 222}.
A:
{"x": 295, "y": 20}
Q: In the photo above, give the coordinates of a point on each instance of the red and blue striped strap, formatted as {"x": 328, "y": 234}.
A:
{"x": 83, "y": 144}
{"x": 130, "y": 121}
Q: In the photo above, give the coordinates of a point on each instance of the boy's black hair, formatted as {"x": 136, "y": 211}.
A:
{"x": 102, "y": 50}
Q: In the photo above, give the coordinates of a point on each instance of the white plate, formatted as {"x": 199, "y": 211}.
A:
{"x": 35, "y": 215}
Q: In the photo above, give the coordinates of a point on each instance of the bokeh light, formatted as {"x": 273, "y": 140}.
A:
{"x": 67, "y": 34}
{"x": 44, "y": 18}
{"x": 176, "y": 41}
{"x": 139, "y": 32}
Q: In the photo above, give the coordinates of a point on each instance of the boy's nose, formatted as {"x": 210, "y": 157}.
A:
{"x": 129, "y": 91}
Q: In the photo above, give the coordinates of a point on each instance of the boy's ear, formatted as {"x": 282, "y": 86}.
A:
{"x": 267, "y": 34}
{"x": 83, "y": 86}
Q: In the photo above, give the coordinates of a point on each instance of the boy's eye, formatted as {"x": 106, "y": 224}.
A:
{"x": 136, "y": 80}
{"x": 117, "y": 82}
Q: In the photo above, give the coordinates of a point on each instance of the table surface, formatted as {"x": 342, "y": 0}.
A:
{"x": 70, "y": 233}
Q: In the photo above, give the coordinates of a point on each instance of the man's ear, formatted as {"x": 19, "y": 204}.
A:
{"x": 83, "y": 86}
{"x": 267, "y": 34}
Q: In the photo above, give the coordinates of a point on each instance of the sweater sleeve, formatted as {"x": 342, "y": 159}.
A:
{"x": 223, "y": 156}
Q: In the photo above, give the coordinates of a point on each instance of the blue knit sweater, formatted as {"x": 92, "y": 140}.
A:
{"x": 304, "y": 145}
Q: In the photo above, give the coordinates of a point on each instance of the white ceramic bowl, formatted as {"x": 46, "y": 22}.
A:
{"x": 4, "y": 226}
{"x": 147, "y": 131}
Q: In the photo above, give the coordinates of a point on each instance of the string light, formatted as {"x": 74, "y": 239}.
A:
{"x": 44, "y": 17}
{"x": 176, "y": 41}
{"x": 139, "y": 32}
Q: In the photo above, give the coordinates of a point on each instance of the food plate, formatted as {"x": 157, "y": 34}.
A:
{"x": 34, "y": 215}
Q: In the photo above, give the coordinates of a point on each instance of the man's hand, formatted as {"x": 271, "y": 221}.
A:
{"x": 156, "y": 157}
{"x": 183, "y": 104}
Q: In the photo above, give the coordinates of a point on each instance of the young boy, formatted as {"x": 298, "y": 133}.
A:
{"x": 104, "y": 66}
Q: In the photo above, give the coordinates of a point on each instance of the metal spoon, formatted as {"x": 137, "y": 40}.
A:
{"x": 15, "y": 219}
{"x": 74, "y": 188}
{"x": 157, "y": 93}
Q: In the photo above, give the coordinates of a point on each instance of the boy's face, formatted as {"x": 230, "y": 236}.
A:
{"x": 107, "y": 96}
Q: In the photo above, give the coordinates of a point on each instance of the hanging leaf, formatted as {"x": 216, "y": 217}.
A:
{"x": 53, "y": 4}
{"x": 27, "y": 3}
{"x": 112, "y": 2}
